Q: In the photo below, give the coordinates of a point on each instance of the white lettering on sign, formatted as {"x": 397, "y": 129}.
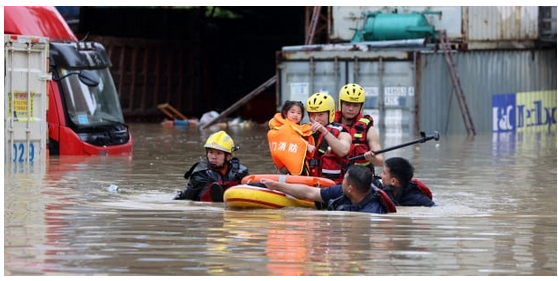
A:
{"x": 395, "y": 91}
{"x": 504, "y": 123}
{"x": 393, "y": 101}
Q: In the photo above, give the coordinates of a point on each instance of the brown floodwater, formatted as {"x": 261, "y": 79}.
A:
{"x": 496, "y": 214}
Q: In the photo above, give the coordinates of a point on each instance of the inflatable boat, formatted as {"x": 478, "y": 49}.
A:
{"x": 247, "y": 195}
{"x": 307, "y": 180}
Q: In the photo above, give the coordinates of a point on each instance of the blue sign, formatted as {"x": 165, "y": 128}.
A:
{"x": 503, "y": 113}
{"x": 524, "y": 112}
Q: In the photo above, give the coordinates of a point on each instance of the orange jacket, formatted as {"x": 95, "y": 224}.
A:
{"x": 288, "y": 144}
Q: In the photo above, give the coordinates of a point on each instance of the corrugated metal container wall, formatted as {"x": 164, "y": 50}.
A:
{"x": 482, "y": 74}
{"x": 387, "y": 76}
{"x": 500, "y": 27}
{"x": 346, "y": 18}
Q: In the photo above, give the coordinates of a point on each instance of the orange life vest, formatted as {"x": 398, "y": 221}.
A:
{"x": 288, "y": 144}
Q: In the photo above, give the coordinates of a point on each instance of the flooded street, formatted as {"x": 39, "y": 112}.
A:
{"x": 496, "y": 214}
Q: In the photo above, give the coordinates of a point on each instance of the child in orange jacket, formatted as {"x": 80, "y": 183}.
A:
{"x": 290, "y": 142}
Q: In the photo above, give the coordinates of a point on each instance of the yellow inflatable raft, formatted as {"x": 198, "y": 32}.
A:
{"x": 246, "y": 196}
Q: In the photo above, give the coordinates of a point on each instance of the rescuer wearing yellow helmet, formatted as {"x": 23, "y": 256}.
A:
{"x": 333, "y": 142}
{"x": 215, "y": 172}
{"x": 364, "y": 136}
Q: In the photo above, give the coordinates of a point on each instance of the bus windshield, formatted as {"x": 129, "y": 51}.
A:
{"x": 91, "y": 106}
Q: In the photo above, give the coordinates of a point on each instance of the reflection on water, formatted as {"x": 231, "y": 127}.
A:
{"x": 496, "y": 215}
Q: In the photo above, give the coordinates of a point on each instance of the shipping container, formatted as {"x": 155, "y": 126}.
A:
{"x": 410, "y": 90}
{"x": 471, "y": 27}
{"x": 345, "y": 19}
{"x": 500, "y": 27}
{"x": 387, "y": 75}
{"x": 25, "y": 98}
{"x": 483, "y": 74}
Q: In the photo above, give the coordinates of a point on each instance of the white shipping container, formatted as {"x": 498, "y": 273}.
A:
{"x": 479, "y": 27}
{"x": 501, "y": 27}
{"x": 25, "y": 99}
{"x": 346, "y": 18}
{"x": 388, "y": 76}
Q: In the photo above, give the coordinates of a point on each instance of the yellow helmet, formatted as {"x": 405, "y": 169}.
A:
{"x": 220, "y": 141}
{"x": 320, "y": 102}
{"x": 352, "y": 93}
